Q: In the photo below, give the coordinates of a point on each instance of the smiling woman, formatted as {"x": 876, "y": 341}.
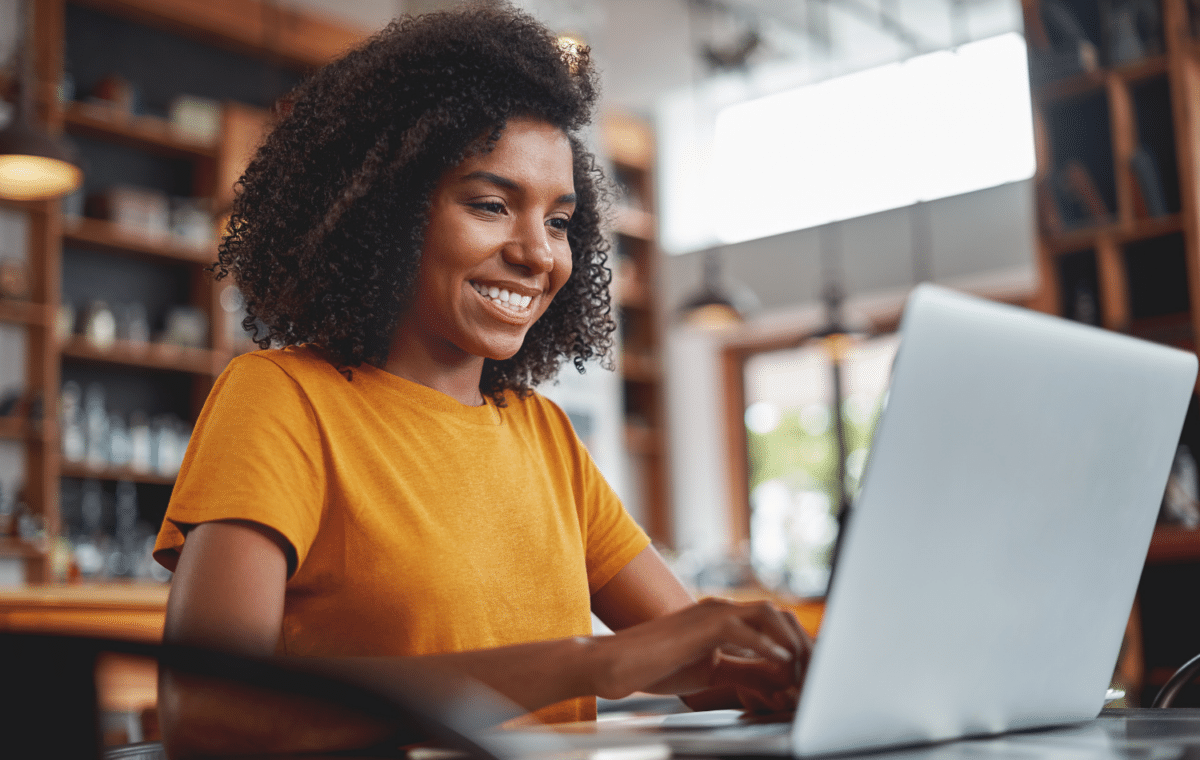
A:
{"x": 420, "y": 237}
{"x": 495, "y": 255}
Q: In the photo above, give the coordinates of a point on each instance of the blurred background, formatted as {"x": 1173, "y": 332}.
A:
{"x": 787, "y": 172}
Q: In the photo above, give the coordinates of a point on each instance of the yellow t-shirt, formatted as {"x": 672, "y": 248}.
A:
{"x": 419, "y": 525}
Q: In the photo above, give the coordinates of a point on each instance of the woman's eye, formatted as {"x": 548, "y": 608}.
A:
{"x": 559, "y": 223}
{"x": 492, "y": 207}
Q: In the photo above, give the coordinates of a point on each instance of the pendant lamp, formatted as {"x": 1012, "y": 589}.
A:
{"x": 33, "y": 165}
{"x": 712, "y": 308}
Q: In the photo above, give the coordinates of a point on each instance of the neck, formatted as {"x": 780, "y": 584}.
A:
{"x": 445, "y": 369}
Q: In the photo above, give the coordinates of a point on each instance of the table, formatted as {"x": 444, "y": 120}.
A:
{"x": 126, "y": 686}
{"x": 1140, "y": 734}
{"x": 1143, "y": 734}
{"x": 1123, "y": 733}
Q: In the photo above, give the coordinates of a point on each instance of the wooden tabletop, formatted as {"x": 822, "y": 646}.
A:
{"x": 118, "y": 610}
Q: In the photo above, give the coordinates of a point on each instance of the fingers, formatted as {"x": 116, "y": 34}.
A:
{"x": 760, "y": 686}
{"x": 806, "y": 647}
{"x": 770, "y": 703}
{"x": 690, "y": 649}
{"x": 764, "y": 630}
{"x": 753, "y": 701}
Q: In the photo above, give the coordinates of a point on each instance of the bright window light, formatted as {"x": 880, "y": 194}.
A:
{"x": 933, "y": 126}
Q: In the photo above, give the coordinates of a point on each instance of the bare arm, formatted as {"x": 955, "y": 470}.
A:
{"x": 642, "y": 590}
{"x": 228, "y": 593}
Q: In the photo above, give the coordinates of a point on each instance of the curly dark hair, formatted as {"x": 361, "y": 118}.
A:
{"x": 328, "y": 222}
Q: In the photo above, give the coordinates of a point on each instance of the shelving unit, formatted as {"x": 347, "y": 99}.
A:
{"x": 119, "y": 146}
{"x": 23, "y": 312}
{"x": 148, "y": 133}
{"x": 1118, "y": 189}
{"x": 102, "y": 235}
{"x": 1134, "y": 268}
{"x": 75, "y": 470}
{"x": 630, "y": 147}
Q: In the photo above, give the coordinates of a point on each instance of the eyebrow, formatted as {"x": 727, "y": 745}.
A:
{"x": 509, "y": 184}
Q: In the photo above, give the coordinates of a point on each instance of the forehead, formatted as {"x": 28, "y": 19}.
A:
{"x": 529, "y": 152}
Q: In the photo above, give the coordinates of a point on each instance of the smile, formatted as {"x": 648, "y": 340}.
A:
{"x": 501, "y": 297}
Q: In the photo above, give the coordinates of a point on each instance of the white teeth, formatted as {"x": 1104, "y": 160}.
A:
{"x": 502, "y": 296}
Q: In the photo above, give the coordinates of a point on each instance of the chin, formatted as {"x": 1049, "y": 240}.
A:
{"x": 500, "y": 356}
{"x": 499, "y": 351}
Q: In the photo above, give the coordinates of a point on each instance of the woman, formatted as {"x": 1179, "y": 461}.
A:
{"x": 421, "y": 233}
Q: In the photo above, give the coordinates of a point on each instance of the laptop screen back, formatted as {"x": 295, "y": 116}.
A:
{"x": 992, "y": 556}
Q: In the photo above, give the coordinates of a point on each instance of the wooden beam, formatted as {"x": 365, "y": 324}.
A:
{"x": 733, "y": 367}
{"x": 1124, "y": 144}
{"x": 305, "y": 40}
{"x": 1114, "y": 292}
{"x": 48, "y": 61}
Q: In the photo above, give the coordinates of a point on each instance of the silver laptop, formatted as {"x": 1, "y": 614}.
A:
{"x": 991, "y": 558}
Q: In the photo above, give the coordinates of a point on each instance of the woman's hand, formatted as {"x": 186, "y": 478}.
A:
{"x": 753, "y": 648}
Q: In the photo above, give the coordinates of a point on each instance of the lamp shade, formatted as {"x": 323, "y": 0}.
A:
{"x": 711, "y": 311}
{"x": 34, "y": 165}
{"x": 714, "y": 307}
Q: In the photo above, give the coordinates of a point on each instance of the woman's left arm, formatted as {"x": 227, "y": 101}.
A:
{"x": 646, "y": 589}
{"x": 642, "y": 590}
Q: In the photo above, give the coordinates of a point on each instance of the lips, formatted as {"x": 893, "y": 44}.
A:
{"x": 503, "y": 297}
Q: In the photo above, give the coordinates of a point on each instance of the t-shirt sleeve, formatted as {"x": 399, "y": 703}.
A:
{"x": 256, "y": 454}
{"x": 611, "y": 536}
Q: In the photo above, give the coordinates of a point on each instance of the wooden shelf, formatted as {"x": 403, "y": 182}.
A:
{"x": 633, "y": 294}
{"x": 1077, "y": 84}
{"x": 1170, "y": 330}
{"x": 1089, "y": 81}
{"x": 643, "y": 440}
{"x": 103, "y": 235}
{"x": 634, "y": 223}
{"x": 24, "y": 312}
{"x": 18, "y": 429}
{"x": 15, "y": 547}
{"x": 1173, "y": 544}
{"x": 1143, "y": 69}
{"x": 12, "y": 428}
{"x": 148, "y": 133}
{"x": 640, "y": 368}
{"x": 1141, "y": 229}
{"x": 160, "y": 356}
{"x": 1148, "y": 228}
{"x": 79, "y": 470}
{"x": 1066, "y": 241}
{"x": 263, "y": 29}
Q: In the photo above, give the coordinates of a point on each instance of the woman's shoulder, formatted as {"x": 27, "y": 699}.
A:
{"x": 303, "y": 364}
{"x": 538, "y": 410}
{"x": 530, "y": 400}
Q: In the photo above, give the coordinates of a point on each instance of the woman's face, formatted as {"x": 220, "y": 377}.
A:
{"x": 496, "y": 249}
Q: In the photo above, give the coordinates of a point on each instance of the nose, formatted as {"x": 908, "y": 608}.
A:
{"x": 531, "y": 247}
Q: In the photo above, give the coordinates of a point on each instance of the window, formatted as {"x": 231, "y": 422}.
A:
{"x": 792, "y": 453}
{"x": 933, "y": 126}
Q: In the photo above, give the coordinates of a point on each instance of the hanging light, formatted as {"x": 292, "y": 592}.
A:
{"x": 713, "y": 307}
{"x": 33, "y": 165}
